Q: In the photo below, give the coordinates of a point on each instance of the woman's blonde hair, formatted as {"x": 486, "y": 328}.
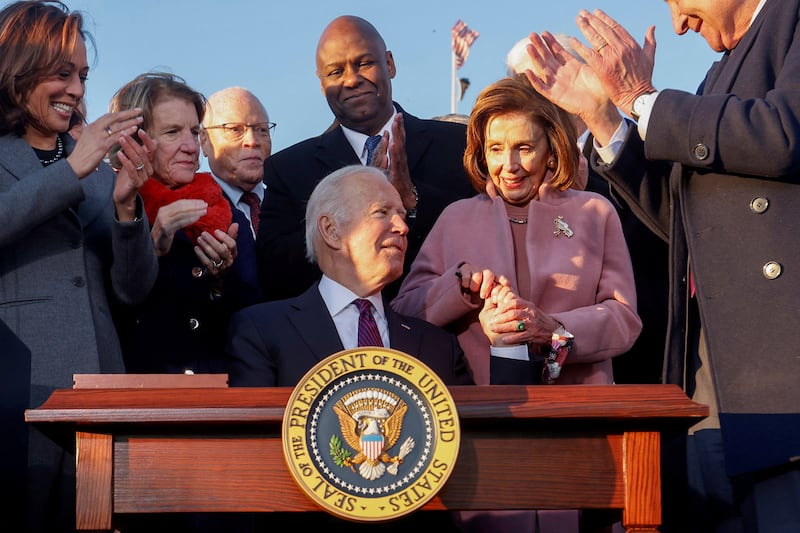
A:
{"x": 516, "y": 95}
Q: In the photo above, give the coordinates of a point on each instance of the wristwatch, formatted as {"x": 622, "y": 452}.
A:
{"x": 639, "y": 105}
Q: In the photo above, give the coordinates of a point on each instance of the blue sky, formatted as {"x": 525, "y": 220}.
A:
{"x": 268, "y": 46}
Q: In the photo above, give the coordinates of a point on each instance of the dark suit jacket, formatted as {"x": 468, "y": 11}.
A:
{"x": 274, "y": 344}
{"x": 643, "y": 363}
{"x": 179, "y": 326}
{"x": 246, "y": 258}
{"x": 435, "y": 152}
{"x": 727, "y": 161}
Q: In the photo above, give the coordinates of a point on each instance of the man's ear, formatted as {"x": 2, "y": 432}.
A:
{"x": 390, "y": 64}
{"x": 329, "y": 232}
{"x": 205, "y": 143}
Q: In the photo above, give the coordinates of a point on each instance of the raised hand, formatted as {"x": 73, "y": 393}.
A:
{"x": 136, "y": 167}
{"x": 98, "y": 137}
{"x": 390, "y": 156}
{"x": 572, "y": 84}
{"x": 624, "y": 68}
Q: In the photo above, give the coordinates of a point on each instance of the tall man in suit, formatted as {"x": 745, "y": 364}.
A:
{"x": 718, "y": 174}
{"x": 424, "y": 156}
{"x": 356, "y": 233}
{"x": 236, "y": 140}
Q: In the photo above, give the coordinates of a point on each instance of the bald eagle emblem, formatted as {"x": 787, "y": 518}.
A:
{"x": 371, "y": 421}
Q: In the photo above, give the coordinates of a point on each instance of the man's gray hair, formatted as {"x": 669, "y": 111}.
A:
{"x": 518, "y": 60}
{"x": 330, "y": 198}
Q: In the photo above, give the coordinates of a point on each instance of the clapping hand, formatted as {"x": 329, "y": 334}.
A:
{"x": 136, "y": 167}
{"x": 390, "y": 156}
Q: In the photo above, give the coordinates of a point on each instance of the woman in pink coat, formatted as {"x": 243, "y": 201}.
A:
{"x": 558, "y": 254}
{"x": 527, "y": 269}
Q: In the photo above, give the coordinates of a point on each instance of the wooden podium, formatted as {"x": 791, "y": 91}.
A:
{"x": 217, "y": 449}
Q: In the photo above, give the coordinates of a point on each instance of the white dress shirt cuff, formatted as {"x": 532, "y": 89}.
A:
{"x": 608, "y": 152}
{"x": 518, "y": 352}
{"x": 648, "y": 101}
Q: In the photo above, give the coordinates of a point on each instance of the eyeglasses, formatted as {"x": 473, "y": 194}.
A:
{"x": 235, "y": 131}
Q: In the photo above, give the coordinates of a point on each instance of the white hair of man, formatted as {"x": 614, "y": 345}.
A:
{"x": 518, "y": 60}
{"x": 330, "y": 198}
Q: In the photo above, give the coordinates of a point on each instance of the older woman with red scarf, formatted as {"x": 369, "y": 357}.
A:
{"x": 182, "y": 325}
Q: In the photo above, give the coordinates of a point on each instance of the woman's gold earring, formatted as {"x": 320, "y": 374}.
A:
{"x": 551, "y": 164}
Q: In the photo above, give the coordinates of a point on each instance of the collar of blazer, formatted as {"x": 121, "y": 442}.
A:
{"x": 323, "y": 339}
{"x": 335, "y": 151}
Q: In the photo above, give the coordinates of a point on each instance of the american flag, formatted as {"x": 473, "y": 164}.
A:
{"x": 372, "y": 446}
{"x": 463, "y": 37}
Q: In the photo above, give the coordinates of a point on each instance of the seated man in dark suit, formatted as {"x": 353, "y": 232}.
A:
{"x": 356, "y": 233}
{"x": 355, "y": 71}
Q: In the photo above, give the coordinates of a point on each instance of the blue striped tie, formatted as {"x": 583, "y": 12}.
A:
{"x": 372, "y": 143}
{"x": 368, "y": 334}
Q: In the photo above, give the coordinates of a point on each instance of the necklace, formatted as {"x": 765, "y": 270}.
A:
{"x": 518, "y": 220}
{"x": 59, "y": 153}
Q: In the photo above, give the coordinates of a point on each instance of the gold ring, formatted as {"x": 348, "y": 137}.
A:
{"x": 139, "y": 167}
{"x": 605, "y": 43}
{"x": 108, "y": 131}
{"x": 520, "y": 326}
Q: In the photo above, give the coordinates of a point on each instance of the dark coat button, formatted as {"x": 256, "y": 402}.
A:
{"x": 194, "y": 324}
{"x": 78, "y": 281}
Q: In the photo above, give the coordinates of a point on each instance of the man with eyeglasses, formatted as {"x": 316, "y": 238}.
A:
{"x": 424, "y": 157}
{"x": 236, "y": 140}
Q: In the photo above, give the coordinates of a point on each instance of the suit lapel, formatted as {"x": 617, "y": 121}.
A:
{"x": 334, "y": 151}
{"x": 401, "y": 334}
{"x": 314, "y": 324}
{"x": 725, "y": 72}
{"x": 12, "y": 159}
{"x": 418, "y": 138}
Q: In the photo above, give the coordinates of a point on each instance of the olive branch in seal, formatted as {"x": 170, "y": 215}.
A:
{"x": 338, "y": 452}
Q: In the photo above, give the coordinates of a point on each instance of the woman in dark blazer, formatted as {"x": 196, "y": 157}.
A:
{"x": 73, "y": 236}
{"x": 182, "y": 324}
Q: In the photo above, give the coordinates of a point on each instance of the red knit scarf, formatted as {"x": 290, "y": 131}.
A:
{"x": 203, "y": 187}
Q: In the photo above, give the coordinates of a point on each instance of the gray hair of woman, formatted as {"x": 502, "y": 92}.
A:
{"x": 144, "y": 92}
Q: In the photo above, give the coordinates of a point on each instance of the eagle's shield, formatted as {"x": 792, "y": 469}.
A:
{"x": 372, "y": 446}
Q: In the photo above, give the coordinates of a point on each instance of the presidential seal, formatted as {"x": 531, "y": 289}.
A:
{"x": 371, "y": 434}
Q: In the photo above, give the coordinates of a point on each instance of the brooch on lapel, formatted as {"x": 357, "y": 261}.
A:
{"x": 562, "y": 227}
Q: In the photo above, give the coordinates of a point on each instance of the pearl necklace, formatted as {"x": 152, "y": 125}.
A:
{"x": 59, "y": 153}
{"x": 518, "y": 220}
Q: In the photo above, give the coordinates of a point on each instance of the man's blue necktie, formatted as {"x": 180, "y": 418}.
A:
{"x": 372, "y": 143}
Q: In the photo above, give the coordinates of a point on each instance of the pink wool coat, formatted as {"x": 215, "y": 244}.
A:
{"x": 584, "y": 281}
